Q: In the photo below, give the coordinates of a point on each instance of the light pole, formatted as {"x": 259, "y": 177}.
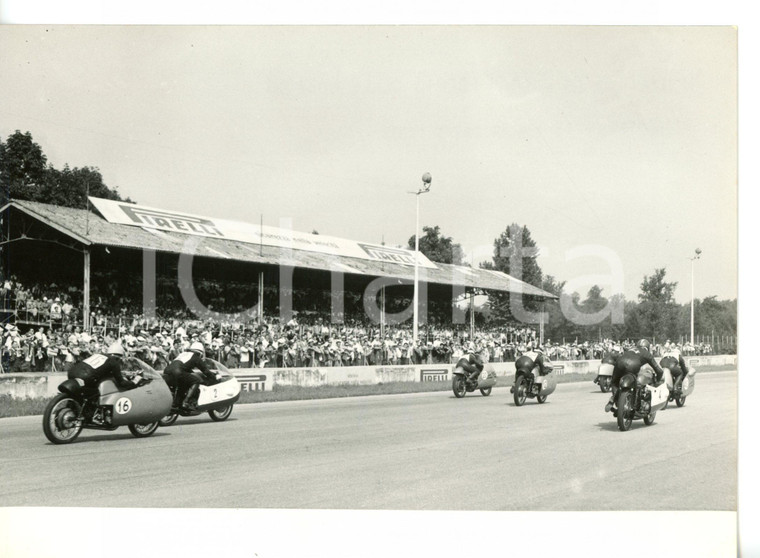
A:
{"x": 696, "y": 255}
{"x": 426, "y": 180}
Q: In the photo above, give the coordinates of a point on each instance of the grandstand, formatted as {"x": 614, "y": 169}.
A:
{"x": 138, "y": 252}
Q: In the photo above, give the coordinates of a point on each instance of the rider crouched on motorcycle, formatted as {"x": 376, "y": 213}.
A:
{"x": 98, "y": 367}
{"x": 529, "y": 360}
{"x": 630, "y": 362}
{"x": 180, "y": 373}
{"x": 673, "y": 359}
{"x": 610, "y": 357}
{"x": 471, "y": 362}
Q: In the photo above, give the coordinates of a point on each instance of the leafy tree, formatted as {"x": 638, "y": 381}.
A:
{"x": 515, "y": 253}
{"x": 25, "y": 175}
{"x": 656, "y": 289}
{"x": 438, "y": 248}
{"x": 23, "y": 166}
{"x": 656, "y": 315}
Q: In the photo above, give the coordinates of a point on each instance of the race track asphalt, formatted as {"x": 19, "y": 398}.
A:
{"x": 403, "y": 452}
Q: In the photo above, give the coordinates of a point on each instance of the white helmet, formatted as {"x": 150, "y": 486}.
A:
{"x": 198, "y": 347}
{"x": 115, "y": 349}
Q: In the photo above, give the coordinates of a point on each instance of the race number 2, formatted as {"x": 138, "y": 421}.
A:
{"x": 123, "y": 405}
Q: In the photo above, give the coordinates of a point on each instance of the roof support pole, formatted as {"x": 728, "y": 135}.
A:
{"x": 261, "y": 297}
{"x": 86, "y": 290}
{"x": 541, "y": 326}
{"x": 149, "y": 284}
{"x": 472, "y": 316}
{"x": 382, "y": 314}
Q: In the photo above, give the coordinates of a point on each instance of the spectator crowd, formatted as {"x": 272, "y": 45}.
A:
{"x": 53, "y": 338}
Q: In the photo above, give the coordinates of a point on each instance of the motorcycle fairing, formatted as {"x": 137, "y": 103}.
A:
{"x": 140, "y": 405}
{"x": 687, "y": 386}
{"x": 227, "y": 392}
{"x": 606, "y": 369}
{"x": 660, "y": 396}
{"x": 548, "y": 384}
{"x": 667, "y": 375}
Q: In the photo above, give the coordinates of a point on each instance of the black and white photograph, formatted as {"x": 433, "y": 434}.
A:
{"x": 360, "y": 289}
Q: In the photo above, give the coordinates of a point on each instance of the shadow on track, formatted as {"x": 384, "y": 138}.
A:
{"x": 110, "y": 437}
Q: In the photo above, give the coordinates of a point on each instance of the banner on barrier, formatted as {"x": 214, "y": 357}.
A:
{"x": 434, "y": 374}
{"x": 253, "y": 382}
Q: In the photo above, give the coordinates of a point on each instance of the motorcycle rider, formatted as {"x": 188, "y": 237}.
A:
{"x": 673, "y": 359}
{"x": 471, "y": 362}
{"x": 610, "y": 357}
{"x": 630, "y": 362}
{"x": 529, "y": 360}
{"x": 180, "y": 373}
{"x": 98, "y": 367}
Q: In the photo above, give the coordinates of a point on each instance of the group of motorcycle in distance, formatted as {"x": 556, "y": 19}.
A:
{"x": 154, "y": 403}
{"x": 638, "y": 396}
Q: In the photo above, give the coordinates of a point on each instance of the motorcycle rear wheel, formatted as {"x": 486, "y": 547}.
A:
{"x": 624, "y": 411}
{"x": 58, "y": 419}
{"x": 458, "y": 386}
{"x": 143, "y": 430}
{"x": 219, "y": 415}
{"x": 169, "y": 419}
{"x": 520, "y": 395}
{"x": 605, "y": 384}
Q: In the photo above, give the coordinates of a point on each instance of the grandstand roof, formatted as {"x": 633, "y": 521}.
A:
{"x": 90, "y": 228}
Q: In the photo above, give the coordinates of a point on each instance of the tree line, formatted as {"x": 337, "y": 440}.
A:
{"x": 654, "y": 315}
{"x": 25, "y": 174}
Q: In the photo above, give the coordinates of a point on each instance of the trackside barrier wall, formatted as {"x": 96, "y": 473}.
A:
{"x": 44, "y": 385}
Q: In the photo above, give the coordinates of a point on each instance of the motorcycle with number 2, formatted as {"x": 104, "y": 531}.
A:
{"x": 139, "y": 409}
{"x": 216, "y": 397}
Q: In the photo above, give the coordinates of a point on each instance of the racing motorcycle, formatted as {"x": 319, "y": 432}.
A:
{"x": 139, "y": 409}
{"x": 638, "y": 398}
{"x": 533, "y": 385}
{"x": 604, "y": 377}
{"x": 680, "y": 393}
{"x": 216, "y": 397}
{"x": 484, "y": 382}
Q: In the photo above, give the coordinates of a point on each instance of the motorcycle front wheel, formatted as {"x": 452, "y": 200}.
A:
{"x": 649, "y": 419}
{"x": 59, "y": 419}
{"x": 541, "y": 398}
{"x": 143, "y": 430}
{"x": 680, "y": 400}
{"x": 458, "y": 386}
{"x": 219, "y": 415}
{"x": 624, "y": 410}
{"x": 168, "y": 420}
{"x": 520, "y": 389}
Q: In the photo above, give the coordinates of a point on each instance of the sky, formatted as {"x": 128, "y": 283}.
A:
{"x": 622, "y": 138}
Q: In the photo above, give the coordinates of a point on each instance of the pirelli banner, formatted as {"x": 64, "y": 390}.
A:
{"x": 184, "y": 223}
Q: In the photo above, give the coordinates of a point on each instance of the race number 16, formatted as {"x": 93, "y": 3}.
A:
{"x": 123, "y": 405}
